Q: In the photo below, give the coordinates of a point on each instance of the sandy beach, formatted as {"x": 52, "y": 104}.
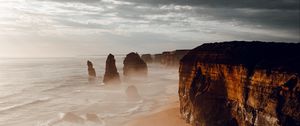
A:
{"x": 165, "y": 116}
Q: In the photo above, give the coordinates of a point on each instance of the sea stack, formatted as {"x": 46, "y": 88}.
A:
{"x": 134, "y": 65}
{"x": 91, "y": 70}
{"x": 132, "y": 93}
{"x": 111, "y": 73}
{"x": 241, "y": 84}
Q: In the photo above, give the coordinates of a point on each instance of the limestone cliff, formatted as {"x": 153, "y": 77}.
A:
{"x": 241, "y": 84}
{"x": 147, "y": 58}
{"x": 157, "y": 58}
{"x": 170, "y": 58}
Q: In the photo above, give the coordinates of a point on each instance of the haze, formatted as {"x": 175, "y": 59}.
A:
{"x": 58, "y": 28}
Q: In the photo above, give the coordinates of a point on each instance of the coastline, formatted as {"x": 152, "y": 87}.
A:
{"x": 165, "y": 116}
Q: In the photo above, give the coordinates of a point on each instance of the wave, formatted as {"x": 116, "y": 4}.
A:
{"x": 133, "y": 110}
{"x": 56, "y": 87}
{"x": 72, "y": 84}
{"x": 21, "y": 105}
{"x": 10, "y": 95}
{"x": 70, "y": 118}
{"x": 126, "y": 113}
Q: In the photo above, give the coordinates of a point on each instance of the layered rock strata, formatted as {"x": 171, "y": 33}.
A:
{"x": 241, "y": 84}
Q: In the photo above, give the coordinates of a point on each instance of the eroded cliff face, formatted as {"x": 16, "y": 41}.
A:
{"x": 147, "y": 58}
{"x": 170, "y": 58}
{"x": 241, "y": 84}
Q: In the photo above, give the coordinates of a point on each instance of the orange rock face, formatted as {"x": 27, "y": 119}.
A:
{"x": 239, "y": 83}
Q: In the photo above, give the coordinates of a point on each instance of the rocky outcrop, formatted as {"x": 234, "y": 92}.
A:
{"x": 241, "y": 84}
{"x": 132, "y": 93}
{"x": 71, "y": 117}
{"x": 170, "y": 58}
{"x": 111, "y": 73}
{"x": 91, "y": 70}
{"x": 92, "y": 117}
{"x": 134, "y": 65}
{"x": 147, "y": 58}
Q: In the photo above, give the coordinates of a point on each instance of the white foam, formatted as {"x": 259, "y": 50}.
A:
{"x": 15, "y": 106}
{"x": 134, "y": 109}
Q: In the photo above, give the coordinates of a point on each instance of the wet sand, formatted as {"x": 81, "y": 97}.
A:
{"x": 166, "y": 116}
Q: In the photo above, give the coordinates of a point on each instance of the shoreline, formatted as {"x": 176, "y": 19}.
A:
{"x": 164, "y": 116}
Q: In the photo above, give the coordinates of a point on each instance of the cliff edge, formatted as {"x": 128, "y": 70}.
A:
{"x": 241, "y": 84}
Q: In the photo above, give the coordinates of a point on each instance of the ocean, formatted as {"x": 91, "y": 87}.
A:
{"x": 57, "y": 92}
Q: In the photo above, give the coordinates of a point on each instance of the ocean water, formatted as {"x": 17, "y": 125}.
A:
{"x": 57, "y": 92}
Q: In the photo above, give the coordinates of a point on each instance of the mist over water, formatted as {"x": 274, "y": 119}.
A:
{"x": 57, "y": 92}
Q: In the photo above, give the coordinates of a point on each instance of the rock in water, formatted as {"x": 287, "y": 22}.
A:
{"x": 132, "y": 93}
{"x": 92, "y": 117}
{"x": 241, "y": 83}
{"x": 147, "y": 58}
{"x": 111, "y": 73}
{"x": 71, "y": 117}
{"x": 134, "y": 65}
{"x": 91, "y": 70}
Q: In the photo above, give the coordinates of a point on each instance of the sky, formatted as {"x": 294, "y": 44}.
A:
{"x": 63, "y": 28}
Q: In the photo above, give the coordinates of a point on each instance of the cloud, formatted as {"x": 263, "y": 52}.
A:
{"x": 183, "y": 23}
{"x": 255, "y": 4}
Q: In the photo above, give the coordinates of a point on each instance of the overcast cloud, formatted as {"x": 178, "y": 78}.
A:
{"x": 92, "y": 27}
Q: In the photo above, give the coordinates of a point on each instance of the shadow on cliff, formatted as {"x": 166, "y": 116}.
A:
{"x": 287, "y": 97}
{"x": 253, "y": 55}
{"x": 204, "y": 96}
{"x": 211, "y": 95}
